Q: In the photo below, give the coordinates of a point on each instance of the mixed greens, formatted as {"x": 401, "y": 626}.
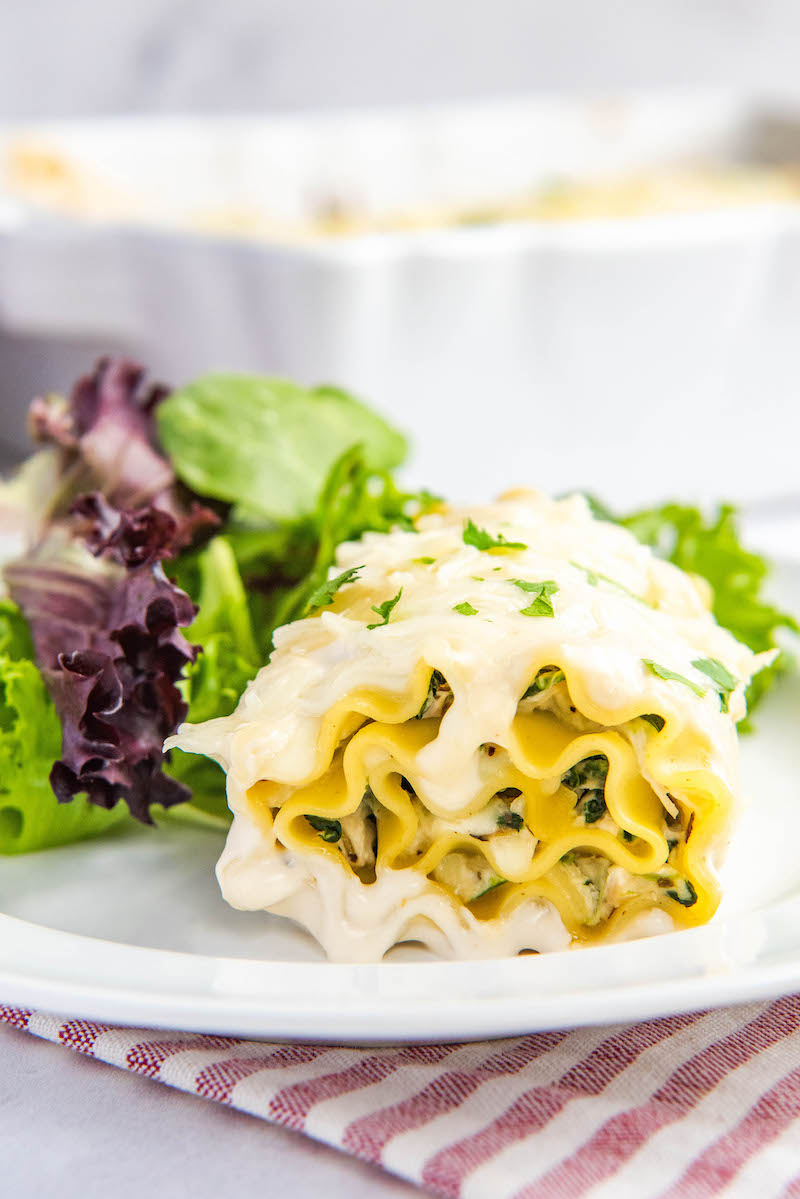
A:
{"x": 155, "y": 541}
{"x": 243, "y": 487}
{"x": 709, "y": 546}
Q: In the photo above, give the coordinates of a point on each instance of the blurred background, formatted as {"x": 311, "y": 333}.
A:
{"x": 534, "y": 282}
{"x": 87, "y": 57}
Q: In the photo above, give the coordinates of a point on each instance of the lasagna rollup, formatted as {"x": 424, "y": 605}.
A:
{"x": 513, "y": 728}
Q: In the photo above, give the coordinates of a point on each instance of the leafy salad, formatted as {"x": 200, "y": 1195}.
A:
{"x": 155, "y": 541}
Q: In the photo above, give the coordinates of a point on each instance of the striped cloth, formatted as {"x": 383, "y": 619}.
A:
{"x": 679, "y": 1108}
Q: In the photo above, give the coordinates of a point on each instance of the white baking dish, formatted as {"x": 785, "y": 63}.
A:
{"x": 639, "y": 357}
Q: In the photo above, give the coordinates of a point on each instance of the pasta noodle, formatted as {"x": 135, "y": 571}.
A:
{"x": 512, "y": 729}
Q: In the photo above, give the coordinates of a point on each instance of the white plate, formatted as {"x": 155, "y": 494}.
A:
{"x": 132, "y": 929}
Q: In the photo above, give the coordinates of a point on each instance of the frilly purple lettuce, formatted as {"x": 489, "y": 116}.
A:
{"x": 106, "y": 434}
{"x": 105, "y": 629}
{"x": 128, "y": 475}
{"x": 87, "y": 576}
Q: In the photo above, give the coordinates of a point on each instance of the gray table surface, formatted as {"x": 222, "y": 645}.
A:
{"x": 74, "y": 1128}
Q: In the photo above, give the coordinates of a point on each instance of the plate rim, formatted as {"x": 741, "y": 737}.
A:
{"x": 359, "y": 1014}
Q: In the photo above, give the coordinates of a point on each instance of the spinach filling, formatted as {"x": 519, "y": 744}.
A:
{"x": 547, "y": 677}
{"x": 684, "y": 893}
{"x": 588, "y": 780}
{"x": 329, "y": 830}
{"x": 439, "y": 697}
{"x": 509, "y": 819}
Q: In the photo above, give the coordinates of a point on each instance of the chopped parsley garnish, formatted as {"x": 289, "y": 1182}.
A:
{"x": 326, "y": 591}
{"x": 541, "y": 603}
{"x": 329, "y": 830}
{"x": 511, "y": 820}
{"x": 482, "y": 540}
{"x": 466, "y": 609}
{"x": 653, "y": 718}
{"x": 424, "y": 561}
{"x": 684, "y": 893}
{"x": 663, "y": 672}
{"x": 479, "y": 578}
{"x": 593, "y": 577}
{"x": 719, "y": 675}
{"x": 547, "y": 677}
{"x": 385, "y": 610}
{"x": 548, "y": 586}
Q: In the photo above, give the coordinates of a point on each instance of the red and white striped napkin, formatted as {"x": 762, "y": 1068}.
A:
{"x": 680, "y": 1108}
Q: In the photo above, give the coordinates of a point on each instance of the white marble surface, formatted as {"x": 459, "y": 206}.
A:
{"x": 88, "y": 57}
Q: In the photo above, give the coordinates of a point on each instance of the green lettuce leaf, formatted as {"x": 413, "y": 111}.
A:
{"x": 353, "y": 501}
{"x": 251, "y": 580}
{"x": 267, "y": 445}
{"x": 710, "y": 547}
{"x": 31, "y": 817}
{"x": 215, "y": 681}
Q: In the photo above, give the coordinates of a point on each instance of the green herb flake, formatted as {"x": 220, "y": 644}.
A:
{"x": 329, "y": 830}
{"x": 541, "y": 603}
{"x": 663, "y": 672}
{"x": 593, "y": 577}
{"x": 481, "y": 540}
{"x": 324, "y": 594}
{"x": 424, "y": 561}
{"x": 478, "y": 578}
{"x": 466, "y": 609}
{"x": 385, "y": 610}
{"x": 546, "y": 588}
{"x": 541, "y": 606}
{"x": 720, "y": 676}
